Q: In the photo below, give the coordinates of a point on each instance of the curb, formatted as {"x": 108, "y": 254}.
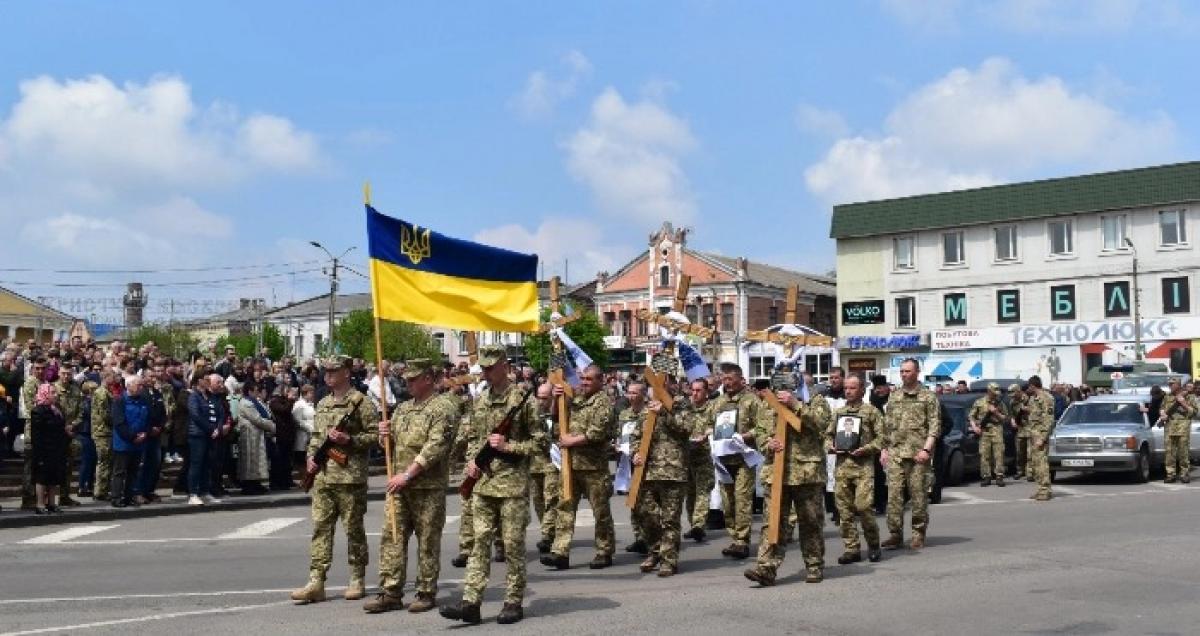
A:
{"x": 91, "y": 514}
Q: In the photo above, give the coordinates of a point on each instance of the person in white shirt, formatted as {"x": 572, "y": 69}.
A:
{"x": 305, "y": 414}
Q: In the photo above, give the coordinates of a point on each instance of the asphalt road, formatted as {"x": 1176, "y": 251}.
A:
{"x": 1104, "y": 556}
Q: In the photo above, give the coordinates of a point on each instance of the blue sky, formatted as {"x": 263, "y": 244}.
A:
{"x": 139, "y": 135}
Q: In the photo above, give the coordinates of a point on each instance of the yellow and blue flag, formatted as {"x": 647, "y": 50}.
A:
{"x": 423, "y": 277}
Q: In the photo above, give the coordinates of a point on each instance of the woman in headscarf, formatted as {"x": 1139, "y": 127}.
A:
{"x": 254, "y": 424}
{"x": 48, "y": 429}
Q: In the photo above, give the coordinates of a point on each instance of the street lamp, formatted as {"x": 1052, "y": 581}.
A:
{"x": 1137, "y": 305}
{"x": 333, "y": 286}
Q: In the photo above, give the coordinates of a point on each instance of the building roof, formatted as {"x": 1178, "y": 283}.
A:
{"x": 773, "y": 276}
{"x": 1141, "y": 187}
{"x": 319, "y": 306}
{"x": 18, "y": 305}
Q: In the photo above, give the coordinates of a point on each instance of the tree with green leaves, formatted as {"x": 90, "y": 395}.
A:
{"x": 355, "y": 337}
{"x": 172, "y": 340}
{"x": 586, "y": 331}
{"x": 246, "y": 344}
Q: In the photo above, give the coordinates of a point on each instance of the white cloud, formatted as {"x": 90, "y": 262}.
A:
{"x": 974, "y": 127}
{"x": 543, "y": 92}
{"x": 821, "y": 122}
{"x": 629, "y": 156}
{"x": 273, "y": 142}
{"x": 576, "y": 245}
{"x": 96, "y": 240}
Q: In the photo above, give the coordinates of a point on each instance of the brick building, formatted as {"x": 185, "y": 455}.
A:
{"x": 733, "y": 295}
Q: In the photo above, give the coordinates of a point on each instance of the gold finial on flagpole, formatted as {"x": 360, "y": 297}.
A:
{"x": 367, "y": 192}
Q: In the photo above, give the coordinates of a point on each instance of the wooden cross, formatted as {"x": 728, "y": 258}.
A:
{"x": 558, "y": 378}
{"x": 659, "y": 392}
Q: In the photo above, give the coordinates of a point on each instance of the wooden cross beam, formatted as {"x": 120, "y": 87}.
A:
{"x": 659, "y": 392}
{"x": 790, "y": 343}
{"x": 557, "y": 377}
{"x": 555, "y": 305}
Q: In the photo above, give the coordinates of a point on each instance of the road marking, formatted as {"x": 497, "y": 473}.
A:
{"x": 262, "y": 528}
{"x": 68, "y": 534}
{"x": 125, "y": 597}
{"x": 1068, "y": 491}
{"x": 966, "y": 498}
{"x": 144, "y": 619}
{"x": 1159, "y": 484}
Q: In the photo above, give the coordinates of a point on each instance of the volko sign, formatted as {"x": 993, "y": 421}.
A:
{"x": 1069, "y": 333}
{"x": 869, "y": 312}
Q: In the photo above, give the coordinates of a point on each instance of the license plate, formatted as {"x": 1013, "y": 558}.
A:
{"x": 1078, "y": 462}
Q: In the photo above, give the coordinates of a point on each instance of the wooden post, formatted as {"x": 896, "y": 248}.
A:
{"x": 562, "y": 403}
{"x": 389, "y": 501}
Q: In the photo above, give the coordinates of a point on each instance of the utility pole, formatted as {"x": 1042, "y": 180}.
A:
{"x": 1137, "y": 305}
{"x": 333, "y": 287}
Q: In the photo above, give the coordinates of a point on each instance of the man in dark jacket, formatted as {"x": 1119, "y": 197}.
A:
{"x": 131, "y": 424}
{"x": 152, "y": 449}
{"x": 208, "y": 419}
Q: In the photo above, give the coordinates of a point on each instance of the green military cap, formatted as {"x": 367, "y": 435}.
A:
{"x": 333, "y": 363}
{"x": 417, "y": 368}
{"x": 491, "y": 354}
{"x": 993, "y": 387}
{"x": 1014, "y": 388}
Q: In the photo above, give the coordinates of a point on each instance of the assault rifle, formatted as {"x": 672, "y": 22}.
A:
{"x": 483, "y": 459}
{"x": 327, "y": 451}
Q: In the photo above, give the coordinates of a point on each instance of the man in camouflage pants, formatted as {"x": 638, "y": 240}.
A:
{"x": 501, "y": 494}
{"x": 911, "y": 428}
{"x": 738, "y": 412}
{"x": 69, "y": 398}
{"x": 628, "y": 421}
{"x": 1018, "y": 406}
{"x": 544, "y": 486}
{"x": 987, "y": 418}
{"x": 802, "y": 490}
{"x": 855, "y": 472}
{"x": 420, "y": 432}
{"x": 1177, "y": 413}
{"x": 589, "y": 439}
{"x": 340, "y": 490}
{"x": 660, "y": 499}
{"x": 1041, "y": 420}
{"x": 102, "y": 433}
{"x": 695, "y": 410}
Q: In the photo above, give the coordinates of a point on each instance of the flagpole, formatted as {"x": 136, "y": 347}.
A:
{"x": 389, "y": 503}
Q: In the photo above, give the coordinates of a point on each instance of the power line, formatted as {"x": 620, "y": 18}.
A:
{"x": 186, "y": 283}
{"x": 25, "y": 270}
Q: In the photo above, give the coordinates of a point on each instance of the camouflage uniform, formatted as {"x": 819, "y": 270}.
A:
{"x": 28, "y": 399}
{"x": 591, "y": 416}
{"x": 501, "y": 493}
{"x": 421, "y": 434}
{"x": 738, "y": 497}
{"x": 802, "y": 490}
{"x": 466, "y": 444}
{"x": 545, "y": 489}
{"x": 1018, "y": 407}
{"x": 700, "y": 467}
{"x": 855, "y": 476}
{"x": 1041, "y": 420}
{"x": 989, "y": 415}
{"x": 633, "y": 419}
{"x": 911, "y": 419}
{"x": 1178, "y": 436}
{"x": 69, "y": 398}
{"x": 341, "y": 491}
{"x": 102, "y": 437}
{"x": 660, "y": 499}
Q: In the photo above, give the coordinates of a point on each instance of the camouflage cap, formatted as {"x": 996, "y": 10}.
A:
{"x": 993, "y": 387}
{"x": 334, "y": 363}
{"x": 418, "y": 367}
{"x": 491, "y": 354}
{"x": 1014, "y": 388}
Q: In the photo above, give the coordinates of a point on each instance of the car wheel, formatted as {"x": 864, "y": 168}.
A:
{"x": 1141, "y": 473}
{"x": 954, "y": 474}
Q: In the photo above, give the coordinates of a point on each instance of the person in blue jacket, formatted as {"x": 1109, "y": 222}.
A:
{"x": 131, "y": 418}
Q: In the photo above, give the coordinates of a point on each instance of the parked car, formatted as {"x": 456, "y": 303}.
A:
{"x": 1141, "y": 383}
{"x": 1106, "y": 433}
{"x": 957, "y": 456}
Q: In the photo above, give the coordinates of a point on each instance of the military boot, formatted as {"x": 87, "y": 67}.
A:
{"x": 600, "y": 561}
{"x": 918, "y": 540}
{"x": 814, "y": 575}
{"x": 424, "y": 603}
{"x": 650, "y": 564}
{"x": 313, "y": 592}
{"x": 696, "y": 533}
{"x": 383, "y": 602}
{"x": 556, "y": 561}
{"x": 986, "y": 482}
{"x": 544, "y": 545}
{"x": 1186, "y": 479}
{"x": 874, "y": 554}
{"x": 459, "y": 561}
{"x": 511, "y": 613}
{"x": 639, "y": 546}
{"x": 461, "y": 611}
{"x": 850, "y": 557}
{"x": 760, "y": 576}
{"x": 1000, "y": 482}
{"x": 357, "y": 588}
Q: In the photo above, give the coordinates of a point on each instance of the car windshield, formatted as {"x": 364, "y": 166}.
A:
{"x": 1141, "y": 381}
{"x": 1100, "y": 413}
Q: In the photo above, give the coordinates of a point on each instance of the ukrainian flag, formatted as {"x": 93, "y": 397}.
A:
{"x": 423, "y": 277}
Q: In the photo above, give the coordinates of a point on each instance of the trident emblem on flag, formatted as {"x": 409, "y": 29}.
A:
{"x": 414, "y": 244}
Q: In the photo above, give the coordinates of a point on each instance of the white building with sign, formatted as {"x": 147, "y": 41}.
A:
{"x": 1022, "y": 279}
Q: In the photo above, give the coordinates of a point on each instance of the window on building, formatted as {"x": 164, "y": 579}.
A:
{"x": 902, "y": 248}
{"x": 818, "y": 364}
{"x": 440, "y": 339}
{"x": 727, "y": 317}
{"x": 610, "y": 323}
{"x": 772, "y": 315}
{"x": 299, "y": 347}
{"x": 952, "y": 248}
{"x": 642, "y": 327}
{"x": 1171, "y": 227}
{"x": 709, "y": 314}
{"x": 1006, "y": 243}
{"x": 692, "y": 313}
{"x": 906, "y": 311}
{"x": 624, "y": 323}
{"x": 664, "y": 276}
{"x": 1062, "y": 241}
{"x": 761, "y": 366}
{"x": 317, "y": 342}
{"x": 1112, "y": 229}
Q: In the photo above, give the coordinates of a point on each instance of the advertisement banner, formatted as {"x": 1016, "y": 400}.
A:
{"x": 1064, "y": 334}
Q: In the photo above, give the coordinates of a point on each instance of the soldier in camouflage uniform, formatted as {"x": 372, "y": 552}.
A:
{"x": 340, "y": 491}
{"x": 987, "y": 418}
{"x": 802, "y": 490}
{"x": 695, "y": 411}
{"x": 463, "y": 447}
{"x": 544, "y": 486}
{"x": 628, "y": 421}
{"x": 911, "y": 428}
{"x": 102, "y": 433}
{"x": 420, "y": 431}
{"x": 1018, "y": 407}
{"x": 1041, "y": 421}
{"x": 28, "y": 396}
{"x": 502, "y": 493}
{"x": 660, "y": 499}
{"x": 738, "y": 411}
{"x": 69, "y": 398}
{"x": 855, "y": 472}
{"x": 1177, "y": 412}
{"x": 591, "y": 416}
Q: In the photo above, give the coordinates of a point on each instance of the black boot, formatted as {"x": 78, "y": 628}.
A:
{"x": 511, "y": 613}
{"x": 461, "y": 611}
